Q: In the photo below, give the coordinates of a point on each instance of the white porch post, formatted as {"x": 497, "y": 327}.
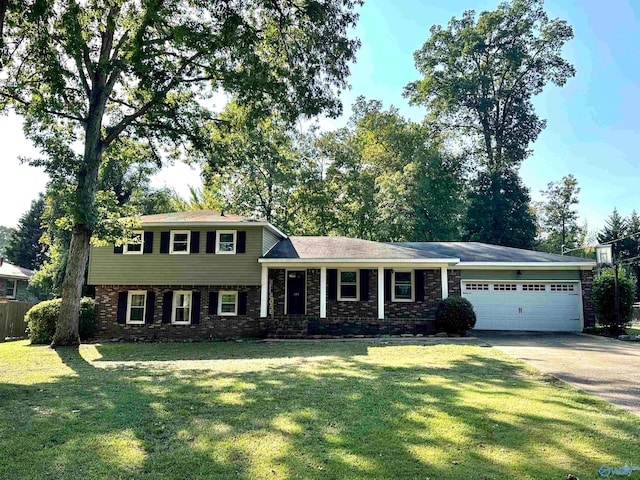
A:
{"x": 445, "y": 282}
{"x": 323, "y": 292}
{"x": 264, "y": 291}
{"x": 380, "y": 293}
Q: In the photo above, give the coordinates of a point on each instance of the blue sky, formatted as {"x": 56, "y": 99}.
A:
{"x": 593, "y": 129}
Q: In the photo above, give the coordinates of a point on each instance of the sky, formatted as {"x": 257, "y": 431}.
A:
{"x": 593, "y": 126}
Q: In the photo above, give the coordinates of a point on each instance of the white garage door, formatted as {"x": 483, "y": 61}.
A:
{"x": 533, "y": 306}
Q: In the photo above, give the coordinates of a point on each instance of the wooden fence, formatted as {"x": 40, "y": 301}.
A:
{"x": 12, "y": 322}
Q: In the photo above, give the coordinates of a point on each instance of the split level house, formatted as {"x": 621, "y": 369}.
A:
{"x": 198, "y": 275}
{"x": 14, "y": 281}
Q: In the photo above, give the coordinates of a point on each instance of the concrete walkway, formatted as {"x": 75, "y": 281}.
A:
{"x": 607, "y": 368}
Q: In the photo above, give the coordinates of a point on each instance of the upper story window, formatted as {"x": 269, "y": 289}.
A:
{"x": 402, "y": 286}
{"x": 181, "y": 307}
{"x": 228, "y": 304}
{"x": 348, "y": 281}
{"x": 180, "y": 240}
{"x": 226, "y": 243}
{"x": 137, "y": 245}
{"x": 136, "y": 306}
{"x": 12, "y": 287}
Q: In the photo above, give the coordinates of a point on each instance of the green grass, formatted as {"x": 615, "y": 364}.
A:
{"x": 633, "y": 331}
{"x": 335, "y": 410}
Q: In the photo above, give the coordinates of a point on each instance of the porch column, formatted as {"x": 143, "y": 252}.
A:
{"x": 380, "y": 293}
{"x": 445, "y": 282}
{"x": 323, "y": 292}
{"x": 264, "y": 291}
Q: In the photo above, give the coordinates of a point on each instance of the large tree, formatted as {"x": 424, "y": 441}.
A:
{"x": 98, "y": 71}
{"x": 480, "y": 74}
{"x": 559, "y": 219}
{"x": 24, "y": 247}
{"x": 499, "y": 211}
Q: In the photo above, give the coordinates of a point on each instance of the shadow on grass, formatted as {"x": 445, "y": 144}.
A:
{"x": 357, "y": 414}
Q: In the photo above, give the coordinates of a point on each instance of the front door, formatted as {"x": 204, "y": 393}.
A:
{"x": 295, "y": 293}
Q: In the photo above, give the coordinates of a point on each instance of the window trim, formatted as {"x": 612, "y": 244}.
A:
{"x": 144, "y": 307}
{"x": 348, "y": 299}
{"x": 393, "y": 287}
{"x": 227, "y": 314}
{"x": 125, "y": 247}
{"x": 235, "y": 242}
{"x": 15, "y": 289}
{"x": 174, "y": 306}
{"x": 172, "y": 241}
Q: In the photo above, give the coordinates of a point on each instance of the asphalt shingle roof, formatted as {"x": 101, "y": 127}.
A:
{"x": 353, "y": 248}
{"x": 195, "y": 216}
{"x": 8, "y": 270}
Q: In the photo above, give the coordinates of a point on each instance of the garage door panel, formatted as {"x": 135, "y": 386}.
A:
{"x": 534, "y": 306}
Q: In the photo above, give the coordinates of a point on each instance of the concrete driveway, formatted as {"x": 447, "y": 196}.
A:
{"x": 607, "y": 368}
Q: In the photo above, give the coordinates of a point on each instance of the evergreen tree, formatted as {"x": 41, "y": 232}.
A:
{"x": 5, "y": 233}
{"x": 615, "y": 227}
{"x": 24, "y": 247}
{"x": 499, "y": 211}
{"x": 559, "y": 219}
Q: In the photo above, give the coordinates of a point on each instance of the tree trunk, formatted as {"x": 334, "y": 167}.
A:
{"x": 3, "y": 11}
{"x": 84, "y": 219}
{"x": 67, "y": 325}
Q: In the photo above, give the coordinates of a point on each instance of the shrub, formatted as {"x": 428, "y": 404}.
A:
{"x": 41, "y": 320}
{"x": 455, "y": 315}
{"x": 603, "y": 297}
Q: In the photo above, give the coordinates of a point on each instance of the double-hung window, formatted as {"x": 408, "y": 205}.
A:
{"x": 136, "y": 246}
{"x": 181, "y": 307}
{"x": 137, "y": 307}
{"x": 226, "y": 243}
{"x": 180, "y": 241}
{"x": 403, "y": 286}
{"x": 348, "y": 281}
{"x": 12, "y": 287}
{"x": 228, "y": 303}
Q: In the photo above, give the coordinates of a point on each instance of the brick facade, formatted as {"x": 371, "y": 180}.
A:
{"x": 586, "y": 277}
{"x": 454, "y": 277}
{"x": 210, "y": 326}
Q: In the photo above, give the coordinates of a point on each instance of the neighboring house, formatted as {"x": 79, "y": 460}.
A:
{"x": 203, "y": 275}
{"x": 14, "y": 281}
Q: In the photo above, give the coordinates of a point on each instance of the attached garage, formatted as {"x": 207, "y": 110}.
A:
{"x": 525, "y": 305}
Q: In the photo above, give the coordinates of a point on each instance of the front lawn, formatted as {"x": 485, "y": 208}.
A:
{"x": 334, "y": 410}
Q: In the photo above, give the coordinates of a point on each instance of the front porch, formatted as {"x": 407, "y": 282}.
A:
{"x": 341, "y": 301}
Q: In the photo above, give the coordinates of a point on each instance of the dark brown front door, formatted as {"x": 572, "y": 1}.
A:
{"x": 295, "y": 293}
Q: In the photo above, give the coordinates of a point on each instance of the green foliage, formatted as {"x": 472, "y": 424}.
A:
{"x": 603, "y": 298}
{"x": 5, "y": 234}
{"x": 41, "y": 320}
{"x": 24, "y": 247}
{"x": 455, "y": 315}
{"x": 498, "y": 211}
{"x": 480, "y": 74}
{"x": 559, "y": 219}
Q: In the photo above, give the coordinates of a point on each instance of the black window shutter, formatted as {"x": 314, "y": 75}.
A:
{"x": 332, "y": 283}
{"x": 195, "y": 242}
{"x": 364, "y": 285}
{"x": 167, "y": 306}
{"x": 241, "y": 247}
{"x": 195, "y": 308}
{"x": 387, "y": 285}
{"x": 165, "y": 237}
{"x": 121, "y": 314}
{"x": 151, "y": 303}
{"x": 118, "y": 248}
{"x": 148, "y": 242}
{"x": 242, "y": 303}
{"x": 419, "y": 276}
{"x": 211, "y": 242}
{"x": 213, "y": 303}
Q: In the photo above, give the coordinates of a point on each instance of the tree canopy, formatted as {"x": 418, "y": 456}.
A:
{"x": 559, "y": 218}
{"x": 102, "y": 72}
